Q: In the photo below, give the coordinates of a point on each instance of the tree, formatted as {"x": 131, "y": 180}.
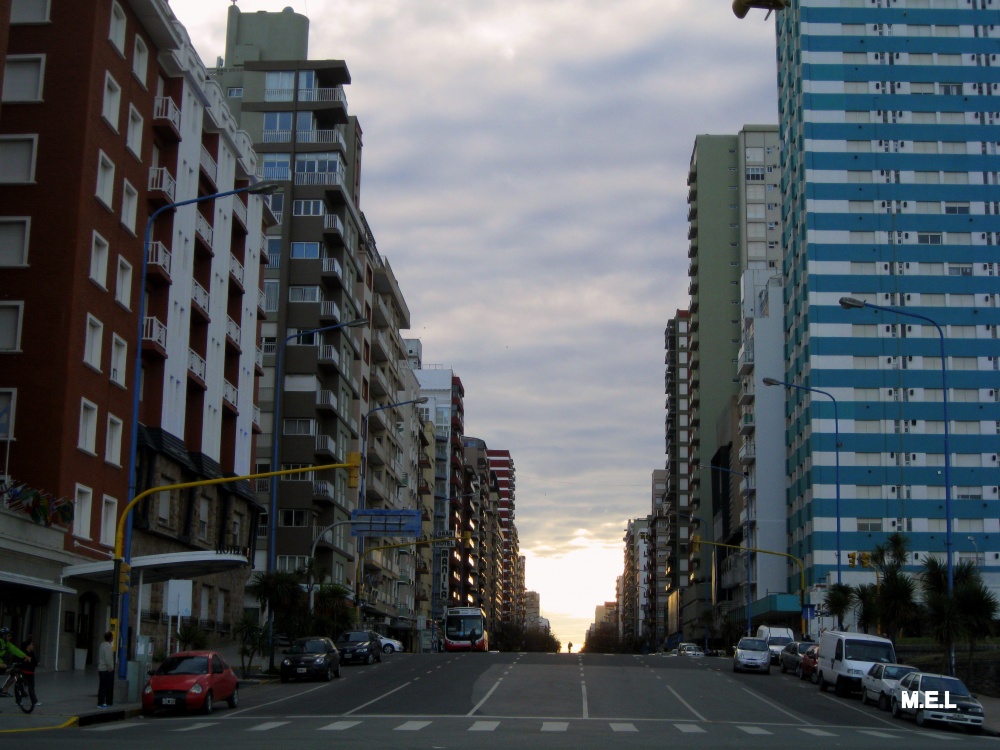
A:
{"x": 865, "y": 598}
{"x": 279, "y": 592}
{"x": 944, "y": 620}
{"x": 252, "y": 638}
{"x": 334, "y": 611}
{"x": 897, "y": 602}
{"x": 978, "y": 607}
{"x": 731, "y": 631}
{"x": 838, "y": 600}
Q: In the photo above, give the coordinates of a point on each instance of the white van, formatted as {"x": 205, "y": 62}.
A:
{"x": 845, "y": 658}
{"x": 777, "y": 638}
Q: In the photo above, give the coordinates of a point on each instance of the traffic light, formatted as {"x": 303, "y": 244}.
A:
{"x": 866, "y": 560}
{"x": 354, "y": 477}
{"x": 123, "y": 576}
{"x": 852, "y": 558}
{"x": 695, "y": 543}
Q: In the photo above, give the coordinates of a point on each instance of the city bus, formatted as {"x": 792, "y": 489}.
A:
{"x": 465, "y": 629}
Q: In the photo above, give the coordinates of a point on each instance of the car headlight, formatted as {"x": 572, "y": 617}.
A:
{"x": 362, "y": 649}
{"x": 148, "y": 689}
{"x": 286, "y": 663}
{"x": 975, "y": 710}
{"x": 196, "y": 688}
{"x": 319, "y": 660}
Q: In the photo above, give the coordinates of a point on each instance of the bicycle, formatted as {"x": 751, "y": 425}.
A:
{"x": 21, "y": 694}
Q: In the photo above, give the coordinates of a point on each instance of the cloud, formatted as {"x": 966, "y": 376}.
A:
{"x": 525, "y": 172}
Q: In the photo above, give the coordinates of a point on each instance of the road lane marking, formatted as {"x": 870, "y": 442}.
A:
{"x": 230, "y": 714}
{"x": 412, "y": 726}
{"x": 690, "y": 728}
{"x": 876, "y": 733}
{"x": 623, "y": 727}
{"x": 339, "y": 726}
{"x": 198, "y": 725}
{"x": 686, "y": 705}
{"x": 816, "y": 732}
{"x": 555, "y": 726}
{"x": 776, "y": 707}
{"x": 485, "y": 697}
{"x": 267, "y": 725}
{"x": 752, "y": 729}
{"x": 111, "y": 727}
{"x": 484, "y": 726}
{"x": 586, "y": 710}
{"x": 375, "y": 700}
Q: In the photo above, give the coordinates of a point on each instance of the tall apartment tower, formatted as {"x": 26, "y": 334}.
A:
{"x": 484, "y": 525}
{"x": 890, "y": 183}
{"x": 635, "y": 587}
{"x": 502, "y": 465}
{"x": 657, "y": 554}
{"x": 87, "y": 157}
{"x": 674, "y": 534}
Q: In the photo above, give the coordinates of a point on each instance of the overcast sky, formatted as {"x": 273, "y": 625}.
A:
{"x": 524, "y": 172}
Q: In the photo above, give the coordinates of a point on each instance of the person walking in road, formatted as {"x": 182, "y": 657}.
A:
{"x": 106, "y": 672}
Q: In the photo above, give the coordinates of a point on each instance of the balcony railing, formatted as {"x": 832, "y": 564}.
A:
{"x": 277, "y": 136}
{"x": 326, "y": 398}
{"x": 196, "y": 364}
{"x": 240, "y": 210}
{"x": 158, "y": 255}
{"x": 153, "y": 330}
{"x": 328, "y": 353}
{"x": 160, "y": 179}
{"x": 209, "y": 165}
{"x": 199, "y": 295}
{"x": 275, "y": 172}
{"x": 229, "y": 392}
{"x": 332, "y": 265}
{"x": 256, "y": 415}
{"x": 332, "y": 221}
{"x": 165, "y": 109}
{"x": 261, "y": 300}
{"x": 326, "y": 444}
{"x": 329, "y": 309}
{"x": 319, "y": 178}
{"x": 203, "y": 227}
{"x": 236, "y": 269}
{"x": 322, "y": 95}
{"x": 233, "y": 330}
{"x": 320, "y": 136}
{"x": 259, "y": 358}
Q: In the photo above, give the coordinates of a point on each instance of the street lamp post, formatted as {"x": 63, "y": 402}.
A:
{"x": 272, "y": 518}
{"x": 746, "y": 478}
{"x": 975, "y": 547}
{"x": 836, "y": 449}
{"x": 851, "y": 303}
{"x": 364, "y": 473}
{"x": 262, "y": 188}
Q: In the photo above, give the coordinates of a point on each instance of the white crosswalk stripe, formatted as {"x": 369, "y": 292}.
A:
{"x": 484, "y": 726}
{"x": 817, "y": 732}
{"x": 339, "y": 726}
{"x": 199, "y": 725}
{"x": 267, "y": 726}
{"x": 623, "y": 727}
{"x": 875, "y": 733}
{"x": 753, "y": 730}
{"x": 412, "y": 726}
{"x": 555, "y": 726}
{"x": 690, "y": 728}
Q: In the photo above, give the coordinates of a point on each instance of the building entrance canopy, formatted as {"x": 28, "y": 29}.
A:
{"x": 159, "y": 568}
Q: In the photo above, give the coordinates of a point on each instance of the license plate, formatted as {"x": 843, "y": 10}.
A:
{"x": 169, "y": 701}
{"x": 301, "y": 670}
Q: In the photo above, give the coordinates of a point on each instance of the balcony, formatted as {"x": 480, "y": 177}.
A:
{"x": 277, "y": 136}
{"x": 327, "y": 355}
{"x": 326, "y": 400}
{"x": 747, "y": 424}
{"x": 208, "y": 166}
{"x": 167, "y": 118}
{"x": 332, "y": 268}
{"x": 324, "y": 490}
{"x": 261, "y": 305}
{"x": 326, "y": 446}
{"x": 236, "y": 271}
{"x": 745, "y": 362}
{"x": 197, "y": 369}
{"x": 748, "y": 453}
{"x": 154, "y": 337}
{"x": 200, "y": 300}
{"x": 162, "y": 186}
{"x": 203, "y": 229}
{"x": 258, "y": 361}
{"x": 334, "y": 137}
{"x": 333, "y": 225}
{"x": 747, "y": 393}
{"x": 329, "y": 310}
{"x": 321, "y": 95}
{"x": 329, "y": 179}
{"x": 234, "y": 335}
{"x": 240, "y": 211}
{"x": 230, "y": 396}
{"x": 158, "y": 263}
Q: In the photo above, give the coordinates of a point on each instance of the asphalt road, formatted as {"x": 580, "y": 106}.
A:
{"x": 528, "y": 701}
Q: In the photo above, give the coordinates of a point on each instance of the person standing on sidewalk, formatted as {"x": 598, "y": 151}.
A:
{"x": 106, "y": 672}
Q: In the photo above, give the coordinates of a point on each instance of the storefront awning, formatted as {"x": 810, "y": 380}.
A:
{"x": 159, "y": 568}
{"x": 36, "y": 583}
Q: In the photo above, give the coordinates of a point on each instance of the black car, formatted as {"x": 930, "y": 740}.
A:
{"x": 359, "y": 645}
{"x": 311, "y": 658}
{"x": 791, "y": 655}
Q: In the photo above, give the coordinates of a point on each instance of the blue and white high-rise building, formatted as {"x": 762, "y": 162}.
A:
{"x": 890, "y": 121}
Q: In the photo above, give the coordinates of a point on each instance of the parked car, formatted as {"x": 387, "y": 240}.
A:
{"x": 752, "y": 654}
{"x": 190, "y": 680}
{"x": 954, "y": 703}
{"x": 390, "y": 645}
{"x": 791, "y": 655}
{"x": 877, "y": 685}
{"x": 311, "y": 658}
{"x": 690, "y": 649}
{"x": 844, "y": 658}
{"x": 359, "y": 645}
{"x": 807, "y": 665}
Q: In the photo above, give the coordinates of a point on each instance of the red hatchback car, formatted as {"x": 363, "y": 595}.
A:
{"x": 807, "y": 665}
{"x": 190, "y": 680}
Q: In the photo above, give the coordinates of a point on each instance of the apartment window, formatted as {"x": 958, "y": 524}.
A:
{"x": 119, "y": 359}
{"x": 857, "y": 116}
{"x": 163, "y": 508}
{"x": 116, "y": 34}
{"x": 305, "y": 250}
{"x": 299, "y": 427}
{"x": 928, "y": 238}
{"x": 10, "y": 326}
{"x": 109, "y": 521}
{"x": 293, "y": 518}
{"x": 954, "y": 147}
{"x": 105, "y": 179}
{"x": 956, "y": 208}
{"x": 955, "y": 178}
{"x": 304, "y": 294}
{"x": 276, "y": 166}
{"x": 755, "y": 174}
{"x": 960, "y": 269}
{"x": 81, "y": 511}
{"x": 22, "y": 78}
{"x": 14, "y": 231}
{"x": 8, "y": 407}
{"x": 123, "y": 284}
{"x": 140, "y": 59}
{"x": 87, "y": 438}
{"x": 291, "y": 563}
{"x": 130, "y": 205}
{"x": 112, "y": 101}
{"x": 133, "y": 136}
{"x": 113, "y": 441}
{"x": 93, "y": 342}
{"x": 29, "y": 11}
{"x": 235, "y": 92}
{"x": 99, "y": 260}
{"x": 17, "y": 154}
{"x": 279, "y": 86}
{"x": 308, "y": 208}
{"x": 203, "y": 518}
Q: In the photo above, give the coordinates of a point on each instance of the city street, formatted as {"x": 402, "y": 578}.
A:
{"x": 527, "y": 701}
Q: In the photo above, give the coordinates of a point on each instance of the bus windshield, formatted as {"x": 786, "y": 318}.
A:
{"x": 463, "y": 626}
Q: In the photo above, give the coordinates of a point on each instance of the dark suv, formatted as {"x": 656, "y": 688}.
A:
{"x": 359, "y": 645}
{"x": 309, "y": 658}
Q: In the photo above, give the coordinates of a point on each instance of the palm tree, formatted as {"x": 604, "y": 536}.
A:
{"x": 865, "y": 597}
{"x": 978, "y": 607}
{"x": 944, "y": 621}
{"x": 839, "y": 598}
{"x": 280, "y": 592}
{"x": 897, "y": 601}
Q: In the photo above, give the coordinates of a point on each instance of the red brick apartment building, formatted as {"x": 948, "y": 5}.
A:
{"x": 107, "y": 115}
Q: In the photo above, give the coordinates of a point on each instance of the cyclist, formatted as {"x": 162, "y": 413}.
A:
{"x": 8, "y": 652}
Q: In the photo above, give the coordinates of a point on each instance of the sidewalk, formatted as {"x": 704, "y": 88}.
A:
{"x": 69, "y": 698}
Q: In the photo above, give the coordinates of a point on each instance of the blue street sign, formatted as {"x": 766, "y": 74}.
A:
{"x": 379, "y": 522}
{"x": 809, "y": 611}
